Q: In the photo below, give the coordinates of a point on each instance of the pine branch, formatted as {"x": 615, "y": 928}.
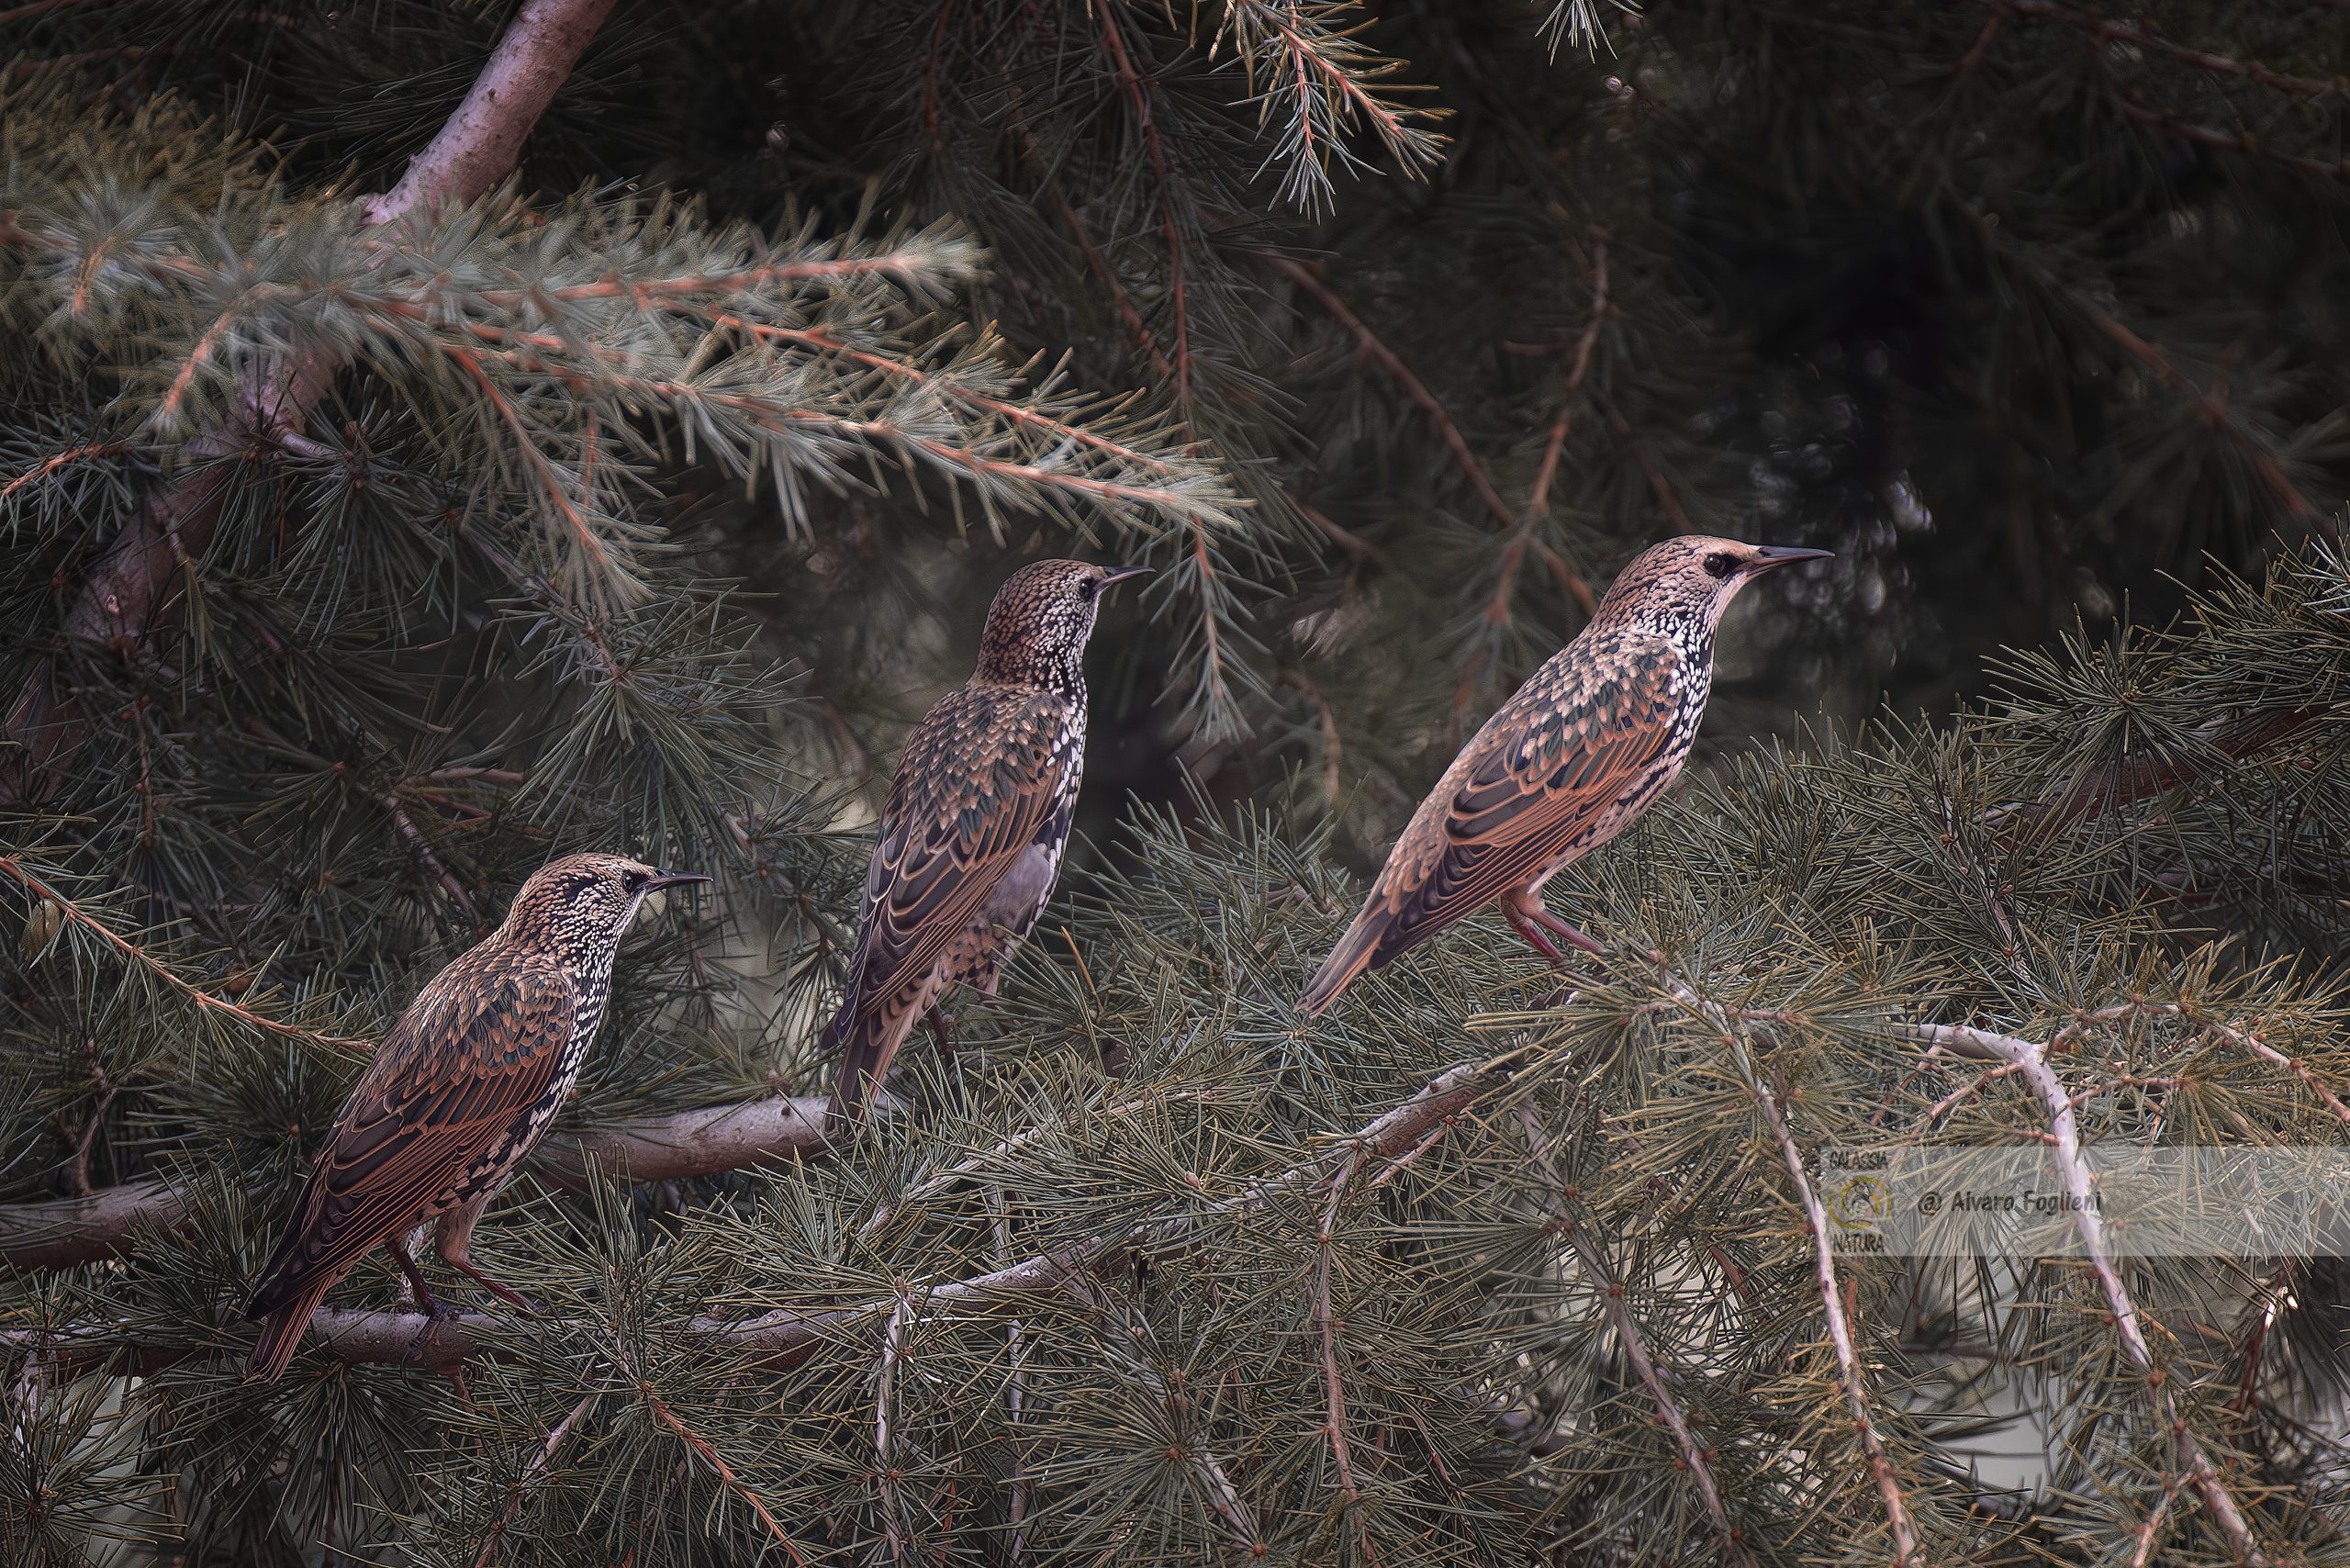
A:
{"x": 1522, "y": 536}
{"x": 123, "y": 596}
{"x": 540, "y": 1460}
{"x": 2031, "y": 1060}
{"x": 73, "y": 914}
{"x": 706, "y": 1141}
{"x": 1417, "y": 390}
{"x": 782, "y": 1337}
{"x": 1325, "y": 1326}
{"x": 2105, "y": 29}
{"x": 1628, "y": 1334}
{"x": 1851, "y": 1376}
{"x": 2023, "y": 263}
{"x": 2219, "y": 741}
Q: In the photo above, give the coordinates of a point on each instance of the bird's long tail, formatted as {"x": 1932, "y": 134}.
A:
{"x": 281, "y": 1332}
{"x": 868, "y": 1037}
{"x": 1358, "y": 950}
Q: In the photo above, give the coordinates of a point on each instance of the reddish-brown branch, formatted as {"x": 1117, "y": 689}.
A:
{"x": 36, "y": 8}
{"x": 1417, "y": 390}
{"x": 14, "y": 869}
{"x": 79, "y": 1144}
{"x": 1345, "y": 538}
{"x": 1114, "y": 35}
{"x": 2000, "y": 246}
{"x": 1400, "y": 137}
{"x": 582, "y": 533}
{"x": 2103, "y": 30}
{"x": 1666, "y": 500}
{"x": 1326, "y": 720}
{"x": 2224, "y": 738}
{"x": 1520, "y": 537}
{"x": 876, "y": 432}
{"x": 1401, "y": 373}
{"x": 1060, "y": 430}
{"x": 2245, "y": 145}
{"x": 430, "y": 859}
{"x": 51, "y": 464}
{"x": 733, "y": 1483}
{"x": 1137, "y": 328}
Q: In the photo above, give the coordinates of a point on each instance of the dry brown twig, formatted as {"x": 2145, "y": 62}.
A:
{"x": 2029, "y": 1059}
{"x": 1628, "y": 1335}
{"x": 1851, "y": 1375}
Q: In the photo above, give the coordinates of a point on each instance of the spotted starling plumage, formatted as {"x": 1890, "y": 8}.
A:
{"x": 1580, "y": 750}
{"x": 976, "y": 823}
{"x": 456, "y": 1095}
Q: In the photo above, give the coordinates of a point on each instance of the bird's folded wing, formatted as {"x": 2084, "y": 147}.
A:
{"x": 980, "y": 776}
{"x": 1542, "y": 772}
{"x": 479, "y": 1045}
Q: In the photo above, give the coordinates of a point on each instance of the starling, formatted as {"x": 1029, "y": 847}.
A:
{"x": 977, "y": 816}
{"x": 456, "y": 1095}
{"x": 1578, "y": 752}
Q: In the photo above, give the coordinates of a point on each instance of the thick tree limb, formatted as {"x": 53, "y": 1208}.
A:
{"x": 123, "y": 597}
{"x": 782, "y": 1338}
{"x": 705, "y": 1141}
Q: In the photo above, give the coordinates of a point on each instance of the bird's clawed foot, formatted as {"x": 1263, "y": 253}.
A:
{"x": 941, "y": 1026}
{"x": 436, "y": 1312}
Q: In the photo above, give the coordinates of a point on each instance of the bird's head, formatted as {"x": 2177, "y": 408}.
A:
{"x": 586, "y": 899}
{"x": 1040, "y": 620}
{"x": 1688, "y": 582}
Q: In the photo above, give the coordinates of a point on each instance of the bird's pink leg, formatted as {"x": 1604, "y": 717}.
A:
{"x": 1528, "y": 917}
{"x": 1540, "y": 915}
{"x": 1533, "y": 934}
{"x": 939, "y": 1027}
{"x": 430, "y": 1305}
{"x": 453, "y": 1238}
{"x": 436, "y": 1311}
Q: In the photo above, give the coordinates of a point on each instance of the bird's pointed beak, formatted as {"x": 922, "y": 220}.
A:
{"x": 1767, "y": 556}
{"x": 1112, "y": 576}
{"x": 660, "y": 880}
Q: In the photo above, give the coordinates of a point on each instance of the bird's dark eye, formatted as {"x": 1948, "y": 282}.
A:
{"x": 1719, "y": 565}
{"x": 1088, "y": 588}
{"x": 632, "y": 881}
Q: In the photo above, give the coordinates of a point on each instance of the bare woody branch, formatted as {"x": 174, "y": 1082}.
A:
{"x": 784, "y": 1337}
{"x": 705, "y": 1141}
{"x": 1850, "y": 1373}
{"x": 2029, "y": 1059}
